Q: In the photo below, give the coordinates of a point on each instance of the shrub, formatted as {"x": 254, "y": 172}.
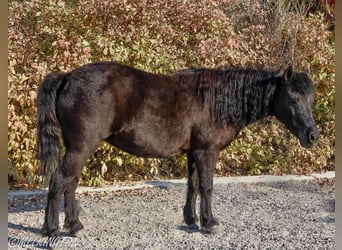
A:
{"x": 163, "y": 37}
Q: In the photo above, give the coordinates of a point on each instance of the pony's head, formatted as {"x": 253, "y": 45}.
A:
{"x": 293, "y": 106}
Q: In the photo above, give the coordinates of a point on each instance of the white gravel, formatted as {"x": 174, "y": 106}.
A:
{"x": 262, "y": 215}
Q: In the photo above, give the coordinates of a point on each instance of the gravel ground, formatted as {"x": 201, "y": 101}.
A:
{"x": 283, "y": 215}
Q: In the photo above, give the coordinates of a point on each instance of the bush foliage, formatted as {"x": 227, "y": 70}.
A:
{"x": 163, "y": 37}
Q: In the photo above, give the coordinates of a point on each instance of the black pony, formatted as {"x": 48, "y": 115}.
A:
{"x": 198, "y": 112}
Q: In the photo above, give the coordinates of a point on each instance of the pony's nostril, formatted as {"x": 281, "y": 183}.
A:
{"x": 313, "y": 137}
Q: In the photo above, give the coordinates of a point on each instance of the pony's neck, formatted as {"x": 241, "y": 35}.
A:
{"x": 238, "y": 97}
{"x": 259, "y": 99}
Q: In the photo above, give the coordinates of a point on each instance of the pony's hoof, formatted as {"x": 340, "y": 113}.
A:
{"x": 74, "y": 228}
{"x": 190, "y": 220}
{"x": 210, "y": 230}
{"x": 211, "y": 226}
{"x": 214, "y": 222}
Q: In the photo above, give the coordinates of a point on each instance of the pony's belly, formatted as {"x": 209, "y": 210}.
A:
{"x": 158, "y": 148}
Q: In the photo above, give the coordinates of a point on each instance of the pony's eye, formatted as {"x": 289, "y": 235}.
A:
{"x": 294, "y": 102}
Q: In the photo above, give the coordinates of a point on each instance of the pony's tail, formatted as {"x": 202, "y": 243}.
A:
{"x": 48, "y": 127}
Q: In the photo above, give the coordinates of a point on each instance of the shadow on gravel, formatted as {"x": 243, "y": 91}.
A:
{"x": 189, "y": 230}
{"x": 164, "y": 184}
{"x": 23, "y": 228}
{"x": 32, "y": 229}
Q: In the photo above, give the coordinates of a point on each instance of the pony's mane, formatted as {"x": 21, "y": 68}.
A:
{"x": 235, "y": 96}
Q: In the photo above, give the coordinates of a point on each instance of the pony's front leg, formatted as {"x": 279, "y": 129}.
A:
{"x": 189, "y": 210}
{"x": 206, "y": 160}
{"x": 51, "y": 221}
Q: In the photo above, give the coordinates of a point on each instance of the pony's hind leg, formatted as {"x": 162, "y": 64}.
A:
{"x": 51, "y": 221}
{"x": 72, "y": 166}
{"x": 64, "y": 180}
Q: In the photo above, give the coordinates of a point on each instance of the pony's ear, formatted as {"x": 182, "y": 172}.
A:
{"x": 288, "y": 73}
